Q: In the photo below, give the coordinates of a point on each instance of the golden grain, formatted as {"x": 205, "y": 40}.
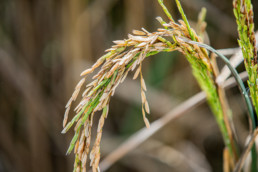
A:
{"x": 87, "y": 71}
{"x": 123, "y": 57}
{"x": 66, "y": 116}
{"x": 138, "y": 32}
{"x": 147, "y": 108}
{"x": 136, "y": 74}
{"x": 143, "y": 84}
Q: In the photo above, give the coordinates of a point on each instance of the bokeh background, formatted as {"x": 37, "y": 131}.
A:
{"x": 44, "y": 46}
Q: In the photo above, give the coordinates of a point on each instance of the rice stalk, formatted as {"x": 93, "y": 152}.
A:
{"x": 205, "y": 74}
{"x": 125, "y": 56}
{"x": 243, "y": 11}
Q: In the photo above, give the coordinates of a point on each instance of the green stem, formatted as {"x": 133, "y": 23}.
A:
{"x": 185, "y": 20}
{"x": 166, "y": 10}
{"x": 242, "y": 89}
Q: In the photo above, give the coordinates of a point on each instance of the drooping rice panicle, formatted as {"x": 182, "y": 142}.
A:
{"x": 125, "y": 56}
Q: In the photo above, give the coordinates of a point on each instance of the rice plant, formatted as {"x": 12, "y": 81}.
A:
{"x": 128, "y": 55}
{"x": 243, "y": 12}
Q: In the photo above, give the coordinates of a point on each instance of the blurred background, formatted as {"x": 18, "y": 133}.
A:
{"x": 44, "y": 46}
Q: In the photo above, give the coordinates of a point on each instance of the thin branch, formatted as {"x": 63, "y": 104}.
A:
{"x": 229, "y": 51}
{"x": 246, "y": 152}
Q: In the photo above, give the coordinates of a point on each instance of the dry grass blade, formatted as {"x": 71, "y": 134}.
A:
{"x": 228, "y": 51}
{"x": 247, "y": 150}
{"x": 226, "y": 165}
